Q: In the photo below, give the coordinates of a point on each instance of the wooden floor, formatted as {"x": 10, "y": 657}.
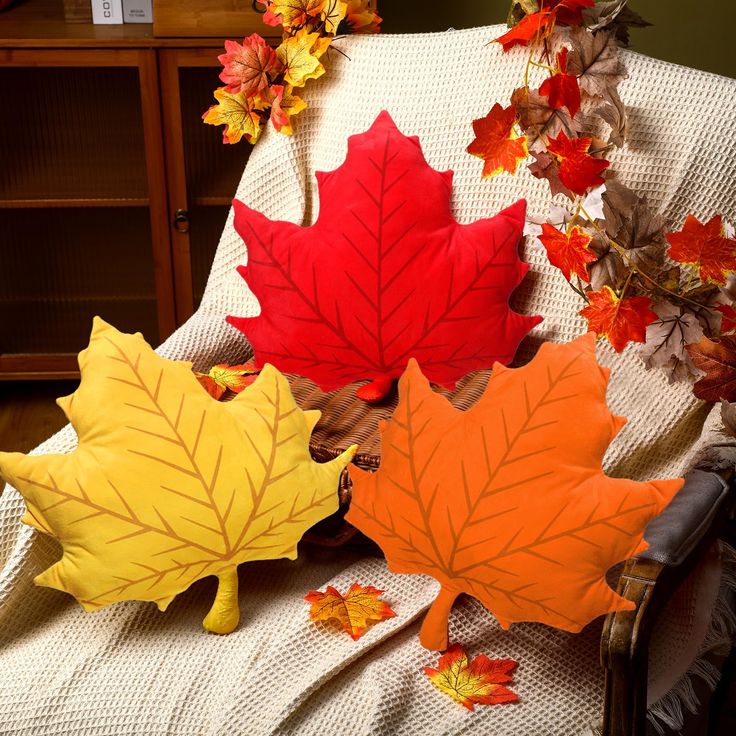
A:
{"x": 29, "y": 415}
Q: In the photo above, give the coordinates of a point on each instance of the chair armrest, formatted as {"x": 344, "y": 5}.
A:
{"x": 678, "y": 538}
{"x": 674, "y": 534}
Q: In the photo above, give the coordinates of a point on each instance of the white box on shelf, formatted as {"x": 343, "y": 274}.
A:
{"x": 138, "y": 11}
{"x": 107, "y": 12}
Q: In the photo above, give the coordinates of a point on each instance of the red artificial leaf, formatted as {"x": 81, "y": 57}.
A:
{"x": 471, "y": 682}
{"x": 705, "y": 247}
{"x": 496, "y": 143}
{"x": 569, "y": 12}
{"x": 561, "y": 88}
{"x": 570, "y": 251}
{"x": 620, "y": 320}
{"x": 529, "y": 27}
{"x": 728, "y": 317}
{"x": 383, "y": 275}
{"x": 246, "y": 67}
{"x": 579, "y": 171}
{"x": 718, "y": 361}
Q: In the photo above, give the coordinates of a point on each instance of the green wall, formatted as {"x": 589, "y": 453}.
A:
{"x": 697, "y": 33}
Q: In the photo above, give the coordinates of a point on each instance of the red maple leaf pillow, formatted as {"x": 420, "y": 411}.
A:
{"x": 385, "y": 274}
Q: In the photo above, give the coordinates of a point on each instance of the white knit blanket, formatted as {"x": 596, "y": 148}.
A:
{"x": 129, "y": 669}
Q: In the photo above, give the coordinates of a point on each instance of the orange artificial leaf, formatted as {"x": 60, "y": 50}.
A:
{"x": 621, "y": 321}
{"x": 579, "y": 171}
{"x": 355, "y": 610}
{"x": 570, "y": 251}
{"x": 361, "y": 17}
{"x": 496, "y": 142}
{"x": 705, "y": 247}
{"x": 507, "y": 501}
{"x": 728, "y": 317}
{"x": 223, "y": 377}
{"x": 246, "y": 67}
{"x": 480, "y": 680}
{"x": 530, "y": 27}
{"x": 238, "y": 113}
{"x": 284, "y": 104}
{"x": 562, "y": 89}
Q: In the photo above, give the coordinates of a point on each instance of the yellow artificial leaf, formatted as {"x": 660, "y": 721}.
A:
{"x": 354, "y": 611}
{"x": 167, "y": 485}
{"x": 297, "y": 12}
{"x": 238, "y": 113}
{"x": 300, "y": 59}
{"x": 332, "y": 15}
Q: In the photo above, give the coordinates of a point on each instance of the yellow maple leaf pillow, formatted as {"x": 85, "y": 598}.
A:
{"x": 167, "y": 485}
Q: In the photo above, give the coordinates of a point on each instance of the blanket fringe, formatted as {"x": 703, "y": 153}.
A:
{"x": 669, "y": 711}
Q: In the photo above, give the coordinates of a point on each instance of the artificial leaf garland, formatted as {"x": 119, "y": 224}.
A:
{"x": 168, "y": 486}
{"x": 616, "y": 256}
{"x": 355, "y": 611}
{"x": 260, "y": 81}
{"x": 472, "y": 682}
{"x": 356, "y": 282}
{"x": 507, "y": 501}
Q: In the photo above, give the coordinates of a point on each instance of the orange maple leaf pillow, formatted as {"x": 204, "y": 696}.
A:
{"x": 508, "y": 501}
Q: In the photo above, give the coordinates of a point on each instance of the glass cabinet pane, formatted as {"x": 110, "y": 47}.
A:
{"x": 71, "y": 133}
{"x": 204, "y": 235}
{"x": 59, "y": 267}
{"x": 212, "y": 168}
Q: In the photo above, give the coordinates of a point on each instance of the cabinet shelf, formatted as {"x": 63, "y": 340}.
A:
{"x": 33, "y": 203}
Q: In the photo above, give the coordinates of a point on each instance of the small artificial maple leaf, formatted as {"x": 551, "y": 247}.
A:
{"x": 667, "y": 340}
{"x": 497, "y": 143}
{"x": 538, "y": 120}
{"x": 704, "y": 247}
{"x": 728, "y": 317}
{"x": 299, "y": 54}
{"x": 346, "y": 299}
{"x": 354, "y": 611}
{"x": 621, "y": 321}
{"x": 507, "y": 501}
{"x": 246, "y": 68}
{"x": 528, "y": 28}
{"x": 717, "y": 360}
{"x": 284, "y": 104}
{"x": 168, "y": 486}
{"x": 361, "y": 17}
{"x": 290, "y": 13}
{"x": 239, "y": 114}
{"x": 595, "y": 59}
{"x": 641, "y": 234}
{"x": 480, "y": 681}
{"x": 569, "y": 12}
{"x": 561, "y": 88}
{"x": 569, "y": 251}
{"x": 222, "y": 377}
{"x": 579, "y": 171}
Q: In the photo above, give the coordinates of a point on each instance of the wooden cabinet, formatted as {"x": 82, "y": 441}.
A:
{"x": 113, "y": 193}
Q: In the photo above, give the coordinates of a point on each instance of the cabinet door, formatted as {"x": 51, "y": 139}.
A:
{"x": 83, "y": 221}
{"x": 203, "y": 174}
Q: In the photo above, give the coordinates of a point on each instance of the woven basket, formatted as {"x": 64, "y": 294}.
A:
{"x": 347, "y": 420}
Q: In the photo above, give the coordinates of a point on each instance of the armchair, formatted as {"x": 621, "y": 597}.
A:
{"x": 131, "y": 670}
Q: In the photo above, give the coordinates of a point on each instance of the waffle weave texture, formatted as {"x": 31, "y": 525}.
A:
{"x": 129, "y": 669}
